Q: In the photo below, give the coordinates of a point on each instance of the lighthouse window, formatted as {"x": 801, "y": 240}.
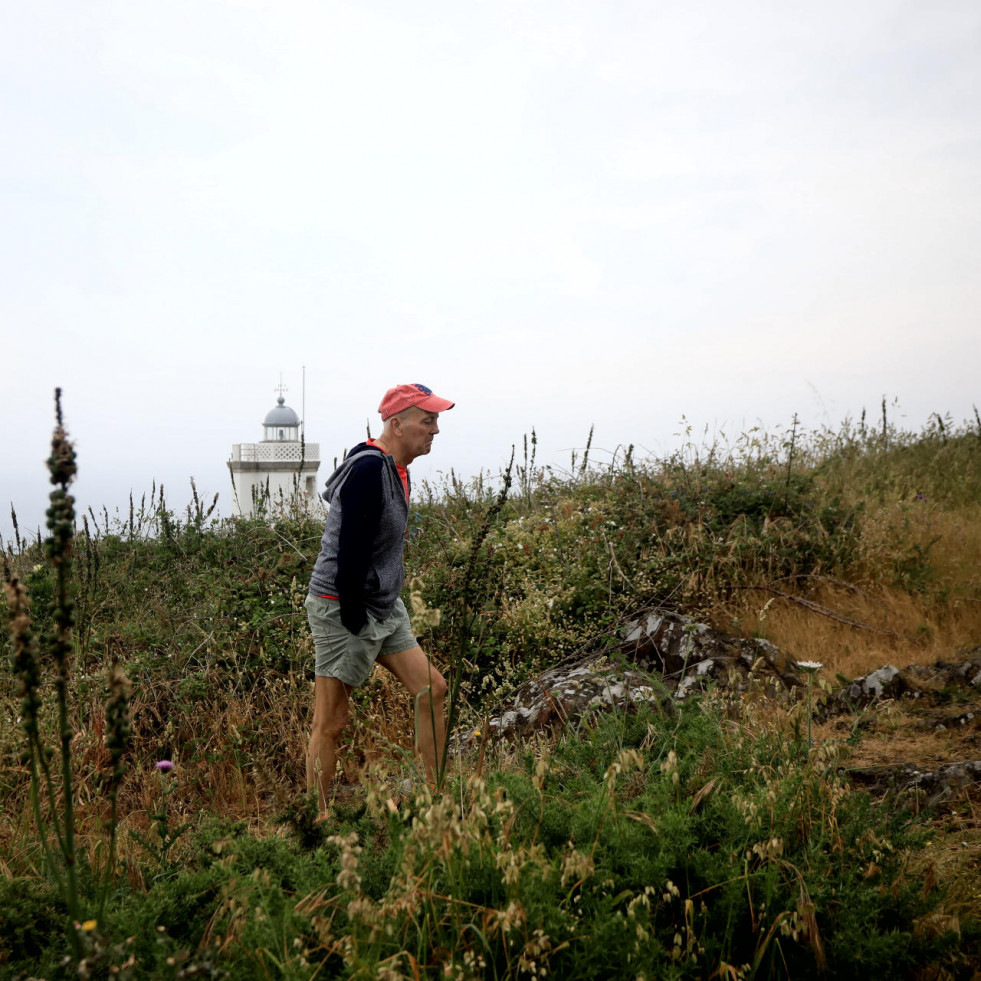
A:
{"x": 281, "y": 436}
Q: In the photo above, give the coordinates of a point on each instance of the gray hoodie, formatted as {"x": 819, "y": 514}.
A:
{"x": 360, "y": 560}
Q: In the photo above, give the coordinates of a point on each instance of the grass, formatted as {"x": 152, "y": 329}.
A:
{"x": 688, "y": 846}
{"x": 708, "y": 844}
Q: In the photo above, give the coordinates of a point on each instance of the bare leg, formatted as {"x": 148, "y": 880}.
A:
{"x": 428, "y": 688}
{"x": 330, "y": 714}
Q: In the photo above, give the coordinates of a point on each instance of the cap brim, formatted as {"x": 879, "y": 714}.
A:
{"x": 433, "y": 403}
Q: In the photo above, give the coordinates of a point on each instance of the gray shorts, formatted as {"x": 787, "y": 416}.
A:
{"x": 347, "y": 656}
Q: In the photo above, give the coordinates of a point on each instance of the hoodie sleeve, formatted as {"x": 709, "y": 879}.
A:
{"x": 361, "y": 505}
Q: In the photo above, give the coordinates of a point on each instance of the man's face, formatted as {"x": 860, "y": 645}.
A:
{"x": 418, "y": 430}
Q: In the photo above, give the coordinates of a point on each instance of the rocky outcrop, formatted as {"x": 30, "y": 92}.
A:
{"x": 912, "y": 681}
{"x": 661, "y": 660}
{"x": 688, "y": 654}
{"x": 565, "y": 694}
{"x": 658, "y": 659}
{"x": 919, "y": 788}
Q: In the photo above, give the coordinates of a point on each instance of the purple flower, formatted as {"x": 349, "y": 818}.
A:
{"x": 922, "y": 497}
{"x": 165, "y": 766}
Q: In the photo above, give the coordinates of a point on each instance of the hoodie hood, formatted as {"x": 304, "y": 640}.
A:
{"x": 337, "y": 478}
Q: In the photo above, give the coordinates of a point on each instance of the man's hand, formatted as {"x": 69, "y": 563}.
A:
{"x": 354, "y": 617}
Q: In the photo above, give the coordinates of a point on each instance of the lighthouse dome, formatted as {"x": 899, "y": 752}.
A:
{"x": 282, "y": 415}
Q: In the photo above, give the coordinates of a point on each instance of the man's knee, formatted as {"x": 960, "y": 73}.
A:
{"x": 331, "y": 724}
{"x": 330, "y": 708}
{"x": 435, "y": 688}
{"x": 439, "y": 687}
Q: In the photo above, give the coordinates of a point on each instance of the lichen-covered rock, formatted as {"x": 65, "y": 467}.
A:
{"x": 665, "y": 658}
{"x": 911, "y": 682}
{"x": 884, "y": 682}
{"x": 658, "y": 659}
{"x": 687, "y": 653}
{"x": 562, "y": 694}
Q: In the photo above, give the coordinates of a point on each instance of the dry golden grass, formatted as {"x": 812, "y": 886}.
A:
{"x": 947, "y": 538}
{"x": 240, "y": 757}
{"x": 868, "y": 624}
{"x": 891, "y": 626}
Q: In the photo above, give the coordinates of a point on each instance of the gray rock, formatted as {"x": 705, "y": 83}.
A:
{"x": 661, "y": 659}
{"x": 884, "y": 682}
{"x": 917, "y": 788}
{"x": 910, "y": 682}
{"x": 658, "y": 659}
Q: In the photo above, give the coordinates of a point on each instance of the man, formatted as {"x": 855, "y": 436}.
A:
{"x": 354, "y": 607}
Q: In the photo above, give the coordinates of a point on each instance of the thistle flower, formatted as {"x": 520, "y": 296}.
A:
{"x": 164, "y": 766}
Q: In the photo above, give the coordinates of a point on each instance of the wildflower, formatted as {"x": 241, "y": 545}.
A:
{"x": 810, "y": 665}
{"x": 89, "y": 925}
{"x": 164, "y": 766}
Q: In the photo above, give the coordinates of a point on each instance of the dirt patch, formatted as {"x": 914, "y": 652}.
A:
{"x": 929, "y": 733}
{"x": 913, "y": 732}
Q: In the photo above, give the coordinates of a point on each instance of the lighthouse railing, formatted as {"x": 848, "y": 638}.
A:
{"x": 275, "y": 452}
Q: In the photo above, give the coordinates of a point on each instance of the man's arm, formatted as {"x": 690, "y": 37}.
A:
{"x": 361, "y": 506}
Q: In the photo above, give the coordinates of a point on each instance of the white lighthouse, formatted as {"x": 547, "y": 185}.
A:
{"x": 280, "y": 472}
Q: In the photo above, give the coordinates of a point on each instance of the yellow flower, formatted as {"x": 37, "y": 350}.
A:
{"x": 89, "y": 925}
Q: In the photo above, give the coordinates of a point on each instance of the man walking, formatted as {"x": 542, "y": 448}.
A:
{"x": 354, "y": 607}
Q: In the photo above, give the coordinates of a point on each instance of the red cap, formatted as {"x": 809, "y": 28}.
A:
{"x": 403, "y": 396}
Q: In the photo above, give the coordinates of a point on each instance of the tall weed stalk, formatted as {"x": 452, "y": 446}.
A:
{"x": 471, "y": 584}
{"x": 52, "y": 791}
{"x": 55, "y": 822}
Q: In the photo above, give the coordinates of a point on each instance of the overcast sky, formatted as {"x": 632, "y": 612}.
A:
{"x": 559, "y": 213}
